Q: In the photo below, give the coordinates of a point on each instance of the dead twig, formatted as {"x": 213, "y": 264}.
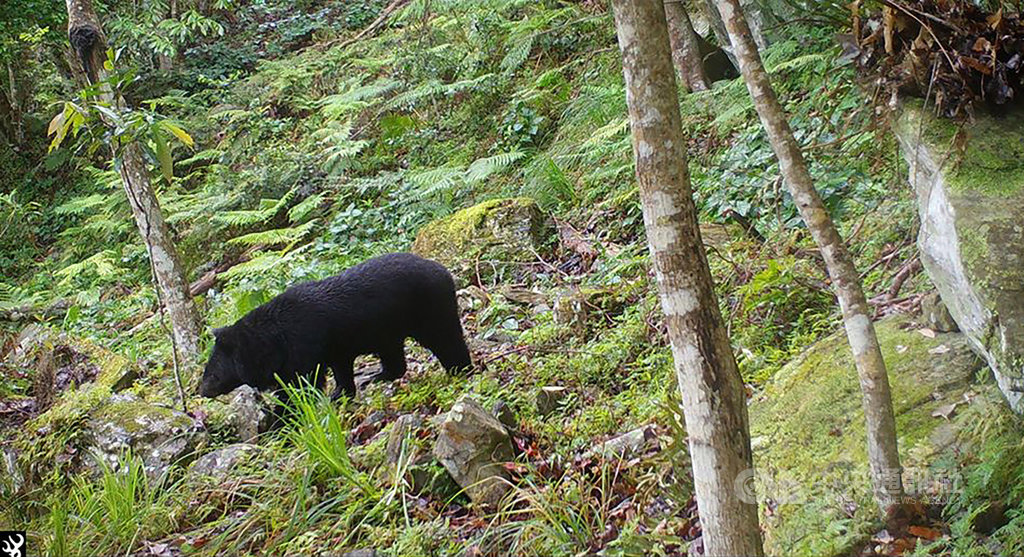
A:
{"x": 371, "y": 28}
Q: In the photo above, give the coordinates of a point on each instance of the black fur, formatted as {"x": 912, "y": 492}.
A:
{"x": 82, "y": 39}
{"x": 368, "y": 309}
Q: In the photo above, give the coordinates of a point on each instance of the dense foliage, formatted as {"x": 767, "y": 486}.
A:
{"x": 308, "y": 153}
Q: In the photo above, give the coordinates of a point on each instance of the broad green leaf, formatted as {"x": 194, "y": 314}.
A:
{"x": 163, "y": 154}
{"x": 178, "y": 132}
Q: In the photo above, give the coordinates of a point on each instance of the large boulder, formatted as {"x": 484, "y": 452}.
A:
{"x": 970, "y": 194}
{"x": 473, "y": 447}
{"x": 491, "y": 239}
{"x": 159, "y": 435}
{"x": 807, "y": 432}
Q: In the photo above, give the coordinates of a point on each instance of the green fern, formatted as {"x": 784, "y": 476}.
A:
{"x": 355, "y": 97}
{"x": 517, "y": 53}
{"x": 304, "y": 208}
{"x": 269, "y": 208}
{"x": 102, "y": 264}
{"x": 336, "y": 147}
{"x": 481, "y": 169}
{"x": 275, "y": 237}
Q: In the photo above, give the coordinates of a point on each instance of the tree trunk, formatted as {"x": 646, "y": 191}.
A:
{"x": 685, "y": 48}
{"x": 874, "y": 381}
{"x": 714, "y": 402}
{"x": 89, "y": 44}
{"x": 166, "y": 63}
{"x": 16, "y": 108}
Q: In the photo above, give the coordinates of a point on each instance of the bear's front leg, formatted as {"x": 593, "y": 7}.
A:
{"x": 344, "y": 379}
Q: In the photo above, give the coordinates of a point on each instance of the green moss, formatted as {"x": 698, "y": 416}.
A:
{"x": 461, "y": 230}
{"x": 808, "y": 431}
{"x": 988, "y": 158}
{"x": 133, "y": 416}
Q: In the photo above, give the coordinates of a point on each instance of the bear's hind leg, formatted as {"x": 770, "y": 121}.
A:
{"x": 392, "y": 363}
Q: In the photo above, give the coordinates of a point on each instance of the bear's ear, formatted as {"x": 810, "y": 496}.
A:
{"x": 223, "y": 337}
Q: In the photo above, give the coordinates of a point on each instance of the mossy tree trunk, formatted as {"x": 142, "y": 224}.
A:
{"x": 685, "y": 48}
{"x": 90, "y": 46}
{"x": 714, "y": 402}
{"x": 874, "y": 380}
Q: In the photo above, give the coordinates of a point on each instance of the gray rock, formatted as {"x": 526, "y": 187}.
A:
{"x": 250, "y": 415}
{"x": 13, "y": 473}
{"x": 473, "y": 446}
{"x": 356, "y": 553}
{"x": 548, "y": 399}
{"x": 398, "y": 434}
{"x": 627, "y": 445}
{"x": 971, "y": 206}
{"x": 30, "y": 340}
{"x": 570, "y": 310}
{"x": 505, "y": 415}
{"x": 935, "y": 314}
{"x": 159, "y": 435}
{"x": 218, "y": 463}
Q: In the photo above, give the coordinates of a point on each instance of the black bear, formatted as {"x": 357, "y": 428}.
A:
{"x": 368, "y": 309}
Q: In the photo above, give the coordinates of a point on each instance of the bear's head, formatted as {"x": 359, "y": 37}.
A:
{"x": 225, "y": 371}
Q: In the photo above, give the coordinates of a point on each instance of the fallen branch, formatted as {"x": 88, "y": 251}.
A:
{"x": 371, "y": 28}
{"x": 908, "y": 270}
{"x": 57, "y": 309}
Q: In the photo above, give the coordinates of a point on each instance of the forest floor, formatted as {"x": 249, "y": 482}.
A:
{"x": 313, "y": 153}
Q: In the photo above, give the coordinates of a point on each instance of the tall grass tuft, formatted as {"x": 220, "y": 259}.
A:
{"x": 317, "y": 428}
{"x": 110, "y": 514}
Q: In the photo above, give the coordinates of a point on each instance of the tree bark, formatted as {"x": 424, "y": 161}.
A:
{"x": 16, "y": 108}
{"x": 874, "y": 380}
{"x": 89, "y": 44}
{"x": 685, "y": 48}
{"x": 164, "y": 62}
{"x": 714, "y": 402}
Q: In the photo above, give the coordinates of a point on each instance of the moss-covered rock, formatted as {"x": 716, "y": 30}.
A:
{"x": 160, "y": 436}
{"x": 489, "y": 240}
{"x": 809, "y": 442}
{"x": 970, "y": 192}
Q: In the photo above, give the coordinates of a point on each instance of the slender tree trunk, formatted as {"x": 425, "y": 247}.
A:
{"x": 874, "y": 381}
{"x": 16, "y": 109}
{"x": 685, "y": 48}
{"x": 89, "y": 44}
{"x": 166, "y": 63}
{"x": 714, "y": 402}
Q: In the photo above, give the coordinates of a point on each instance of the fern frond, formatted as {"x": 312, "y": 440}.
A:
{"x": 268, "y": 209}
{"x": 355, "y": 97}
{"x": 206, "y": 155}
{"x": 480, "y": 169}
{"x": 517, "y": 53}
{"x": 256, "y": 266}
{"x": 305, "y": 207}
{"x": 429, "y": 181}
{"x": 275, "y": 237}
{"x": 85, "y": 204}
{"x": 409, "y": 98}
{"x": 608, "y": 131}
{"x": 101, "y": 264}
